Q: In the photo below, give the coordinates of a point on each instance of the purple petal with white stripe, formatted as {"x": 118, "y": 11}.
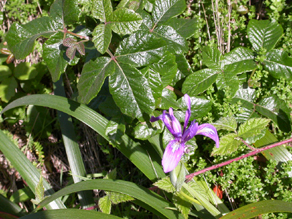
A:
{"x": 172, "y": 123}
{"x": 209, "y": 131}
{"x": 172, "y": 155}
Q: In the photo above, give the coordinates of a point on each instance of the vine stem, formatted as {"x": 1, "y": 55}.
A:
{"x": 86, "y": 38}
{"x": 255, "y": 151}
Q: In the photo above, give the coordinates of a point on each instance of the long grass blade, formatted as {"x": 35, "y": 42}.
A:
{"x": 153, "y": 202}
{"x": 134, "y": 151}
{"x": 27, "y": 171}
{"x": 72, "y": 148}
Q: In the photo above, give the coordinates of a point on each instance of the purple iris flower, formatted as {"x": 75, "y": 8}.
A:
{"x": 176, "y": 147}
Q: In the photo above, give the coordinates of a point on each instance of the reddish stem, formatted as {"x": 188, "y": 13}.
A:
{"x": 255, "y": 151}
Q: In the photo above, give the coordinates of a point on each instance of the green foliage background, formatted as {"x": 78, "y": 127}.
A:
{"x": 219, "y": 52}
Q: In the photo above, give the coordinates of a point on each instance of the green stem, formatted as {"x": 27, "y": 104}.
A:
{"x": 86, "y": 38}
{"x": 192, "y": 200}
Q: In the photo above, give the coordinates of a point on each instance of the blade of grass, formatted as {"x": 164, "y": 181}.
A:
{"x": 151, "y": 200}
{"x": 134, "y": 151}
{"x": 72, "y": 148}
{"x": 27, "y": 171}
{"x": 204, "y": 202}
{"x": 10, "y": 207}
{"x": 263, "y": 207}
{"x": 69, "y": 213}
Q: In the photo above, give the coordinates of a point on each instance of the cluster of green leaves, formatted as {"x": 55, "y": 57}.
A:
{"x": 131, "y": 56}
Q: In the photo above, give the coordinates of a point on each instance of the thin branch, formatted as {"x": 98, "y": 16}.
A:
{"x": 244, "y": 142}
{"x": 229, "y": 28}
{"x": 256, "y": 151}
{"x": 208, "y": 29}
{"x": 86, "y": 38}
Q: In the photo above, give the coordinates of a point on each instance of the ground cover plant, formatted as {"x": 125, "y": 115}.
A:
{"x": 122, "y": 77}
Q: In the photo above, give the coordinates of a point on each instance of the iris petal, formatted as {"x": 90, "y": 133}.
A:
{"x": 175, "y": 123}
{"x": 190, "y": 132}
{"x": 209, "y": 131}
{"x": 172, "y": 124}
{"x": 188, "y": 112}
{"x": 154, "y": 119}
{"x": 172, "y": 155}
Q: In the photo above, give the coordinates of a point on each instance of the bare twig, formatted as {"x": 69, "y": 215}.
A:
{"x": 208, "y": 29}
{"x": 229, "y": 28}
{"x": 244, "y": 142}
{"x": 256, "y": 151}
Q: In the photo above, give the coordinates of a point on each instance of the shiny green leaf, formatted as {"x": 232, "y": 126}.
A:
{"x": 168, "y": 99}
{"x": 166, "y": 67}
{"x": 212, "y": 57}
{"x": 277, "y": 110}
{"x": 143, "y": 132}
{"x": 165, "y": 9}
{"x": 155, "y": 83}
{"x": 258, "y": 208}
{"x": 246, "y": 97}
{"x": 253, "y": 129}
{"x": 140, "y": 49}
{"x": 238, "y": 61}
{"x": 184, "y": 27}
{"x": 228, "y": 144}
{"x": 102, "y": 9}
{"x": 125, "y": 21}
{"x": 115, "y": 129}
{"x": 131, "y": 4}
{"x": 227, "y": 123}
{"x": 246, "y": 114}
{"x": 176, "y": 43}
{"x": 199, "y": 81}
{"x": 131, "y": 91}
{"x": 65, "y": 11}
{"x": 264, "y": 34}
{"x": 21, "y": 38}
{"x": 200, "y": 106}
{"x": 147, "y": 20}
{"x": 183, "y": 65}
{"x": 92, "y": 78}
{"x": 279, "y": 64}
{"x": 53, "y": 55}
{"x": 151, "y": 200}
{"x": 102, "y": 35}
{"x": 227, "y": 81}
